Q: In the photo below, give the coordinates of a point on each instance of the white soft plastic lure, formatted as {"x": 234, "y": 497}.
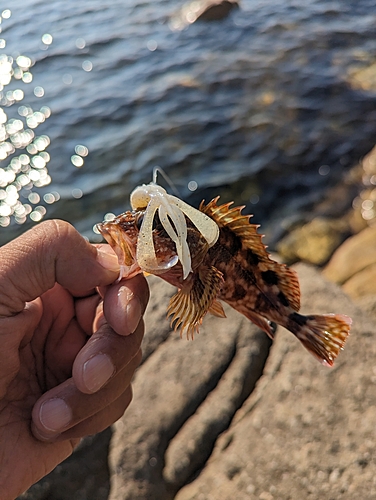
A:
{"x": 171, "y": 212}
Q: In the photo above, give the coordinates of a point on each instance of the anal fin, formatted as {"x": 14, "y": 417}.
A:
{"x": 190, "y": 304}
{"x": 265, "y": 325}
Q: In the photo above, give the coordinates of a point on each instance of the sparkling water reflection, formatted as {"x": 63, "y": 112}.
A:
{"x": 23, "y": 153}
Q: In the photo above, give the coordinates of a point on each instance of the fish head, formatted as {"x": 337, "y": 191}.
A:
{"x": 123, "y": 233}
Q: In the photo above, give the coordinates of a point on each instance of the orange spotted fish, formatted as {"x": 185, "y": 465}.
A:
{"x": 214, "y": 254}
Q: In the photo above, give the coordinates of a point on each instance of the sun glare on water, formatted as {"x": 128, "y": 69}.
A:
{"x": 23, "y": 155}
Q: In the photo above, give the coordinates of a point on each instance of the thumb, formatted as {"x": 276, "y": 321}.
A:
{"x": 52, "y": 252}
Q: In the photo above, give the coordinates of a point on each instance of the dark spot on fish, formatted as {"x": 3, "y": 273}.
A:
{"x": 239, "y": 292}
{"x": 252, "y": 257}
{"x": 298, "y": 318}
{"x": 270, "y": 277}
{"x": 283, "y": 300}
{"x": 230, "y": 240}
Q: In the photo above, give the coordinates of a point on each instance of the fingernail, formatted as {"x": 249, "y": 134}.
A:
{"x": 132, "y": 310}
{"x": 108, "y": 259}
{"x": 55, "y": 415}
{"x": 97, "y": 371}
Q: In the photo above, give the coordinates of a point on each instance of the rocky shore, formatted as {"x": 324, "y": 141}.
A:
{"x": 231, "y": 415}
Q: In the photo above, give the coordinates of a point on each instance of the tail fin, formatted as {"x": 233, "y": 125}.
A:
{"x": 324, "y": 336}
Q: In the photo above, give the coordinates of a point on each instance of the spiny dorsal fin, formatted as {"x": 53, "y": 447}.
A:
{"x": 233, "y": 219}
{"x": 190, "y": 304}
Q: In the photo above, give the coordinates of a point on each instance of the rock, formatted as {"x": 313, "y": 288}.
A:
{"x": 215, "y": 10}
{"x": 307, "y": 431}
{"x": 299, "y": 435}
{"x": 82, "y": 476}
{"x": 354, "y": 255}
{"x": 362, "y": 283}
{"x": 314, "y": 242}
{"x": 197, "y": 428}
{"x": 364, "y": 78}
{"x": 364, "y": 205}
{"x": 369, "y": 163}
{"x": 368, "y": 304}
{"x": 204, "y": 10}
{"x": 185, "y": 396}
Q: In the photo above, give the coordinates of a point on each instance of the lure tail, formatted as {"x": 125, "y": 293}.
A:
{"x": 323, "y": 336}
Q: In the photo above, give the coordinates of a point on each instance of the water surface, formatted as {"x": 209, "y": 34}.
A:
{"x": 260, "y": 107}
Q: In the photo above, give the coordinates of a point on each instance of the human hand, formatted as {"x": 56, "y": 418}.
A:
{"x": 67, "y": 357}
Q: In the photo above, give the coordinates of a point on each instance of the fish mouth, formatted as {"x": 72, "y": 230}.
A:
{"x": 117, "y": 239}
{"x": 105, "y": 232}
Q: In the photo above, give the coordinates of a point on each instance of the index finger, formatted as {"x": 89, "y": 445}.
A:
{"x": 52, "y": 252}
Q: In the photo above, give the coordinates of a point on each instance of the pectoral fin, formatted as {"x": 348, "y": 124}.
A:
{"x": 190, "y": 304}
{"x": 216, "y": 309}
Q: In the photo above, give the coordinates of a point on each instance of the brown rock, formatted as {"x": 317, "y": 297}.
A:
{"x": 363, "y": 78}
{"x": 354, "y": 255}
{"x": 362, "y": 283}
{"x": 215, "y": 10}
{"x": 364, "y": 205}
{"x": 369, "y": 161}
{"x": 202, "y": 10}
{"x": 307, "y": 432}
{"x": 314, "y": 242}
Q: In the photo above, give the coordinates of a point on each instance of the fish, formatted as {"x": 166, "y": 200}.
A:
{"x": 214, "y": 255}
